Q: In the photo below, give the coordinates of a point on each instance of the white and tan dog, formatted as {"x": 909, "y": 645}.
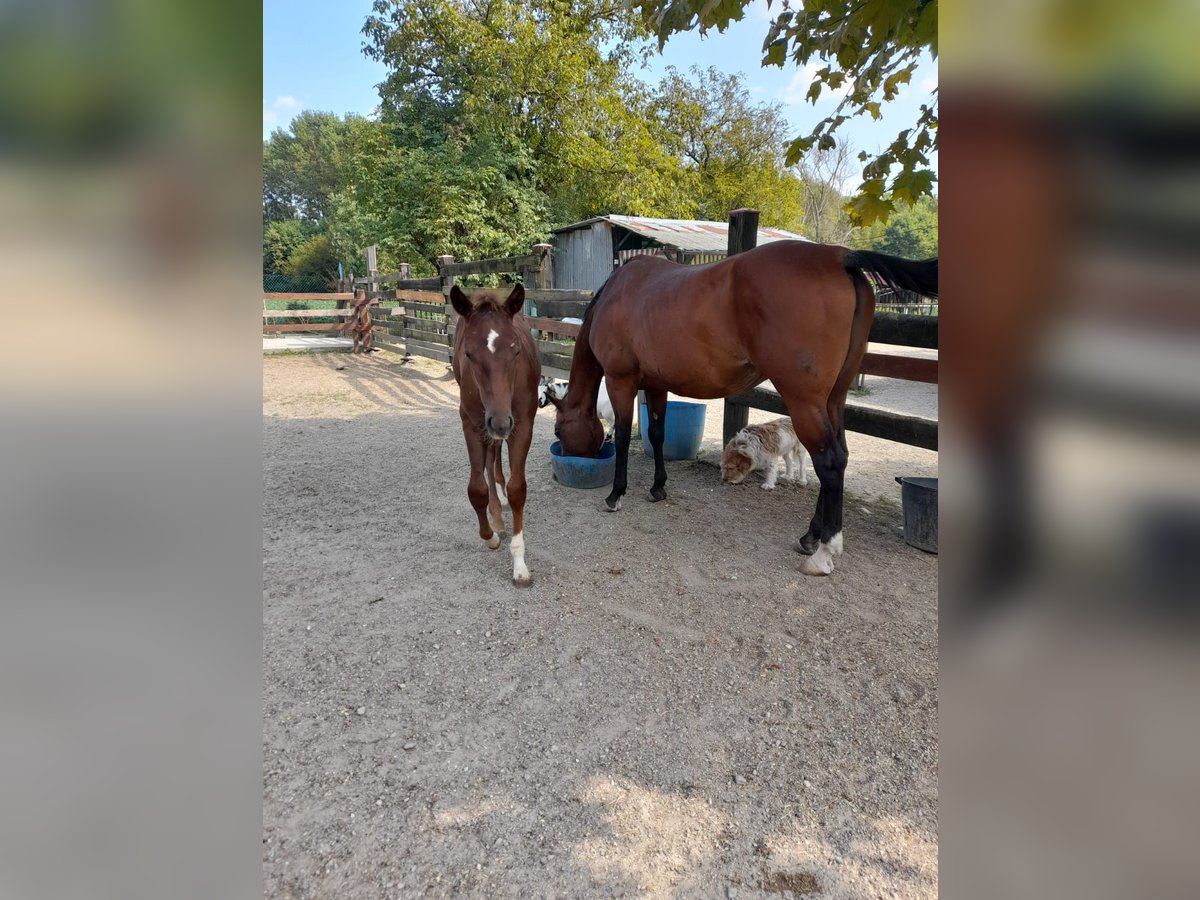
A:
{"x": 758, "y": 448}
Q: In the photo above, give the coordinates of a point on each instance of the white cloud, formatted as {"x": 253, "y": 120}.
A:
{"x": 758, "y": 89}
{"x": 797, "y": 88}
{"x": 285, "y": 102}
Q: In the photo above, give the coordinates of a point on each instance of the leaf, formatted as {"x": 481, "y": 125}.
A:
{"x": 776, "y": 53}
{"x": 866, "y": 209}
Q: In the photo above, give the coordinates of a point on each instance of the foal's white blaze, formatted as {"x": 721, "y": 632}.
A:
{"x": 492, "y": 335}
{"x": 517, "y": 548}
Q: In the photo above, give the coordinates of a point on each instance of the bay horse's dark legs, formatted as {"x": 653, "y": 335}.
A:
{"x": 656, "y": 411}
{"x": 826, "y": 443}
{"x": 622, "y": 394}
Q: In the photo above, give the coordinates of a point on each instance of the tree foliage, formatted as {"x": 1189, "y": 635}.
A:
{"x": 869, "y": 48}
{"x": 500, "y": 119}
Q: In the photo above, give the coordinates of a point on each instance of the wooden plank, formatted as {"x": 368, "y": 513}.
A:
{"x": 570, "y": 329}
{"x": 430, "y": 351}
{"x": 432, "y": 337}
{"x": 385, "y": 345}
{"x": 909, "y": 368}
{"x": 558, "y": 347}
{"x": 890, "y": 426}
{"x": 436, "y": 309}
{"x": 906, "y": 331}
{"x": 561, "y": 309}
{"x": 538, "y": 295}
{"x": 271, "y": 296}
{"x": 311, "y": 326}
{"x": 305, "y": 313}
{"x": 420, "y": 296}
{"x": 911, "y": 430}
{"x": 490, "y": 266}
{"x": 555, "y": 360}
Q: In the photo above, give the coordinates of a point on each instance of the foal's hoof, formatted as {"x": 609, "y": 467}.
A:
{"x": 493, "y": 542}
{"x": 611, "y": 505}
{"x": 658, "y": 493}
{"x": 522, "y": 581}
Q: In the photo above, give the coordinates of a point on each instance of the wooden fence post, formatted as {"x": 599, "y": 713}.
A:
{"x": 539, "y": 277}
{"x": 743, "y": 235}
{"x": 447, "y": 283}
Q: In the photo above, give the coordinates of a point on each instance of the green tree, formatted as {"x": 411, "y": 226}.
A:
{"x": 303, "y": 166}
{"x": 538, "y": 77}
{"x": 730, "y": 147}
{"x": 870, "y": 47}
{"x": 912, "y": 231}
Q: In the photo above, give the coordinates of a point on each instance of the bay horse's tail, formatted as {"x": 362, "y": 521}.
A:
{"x": 920, "y": 277}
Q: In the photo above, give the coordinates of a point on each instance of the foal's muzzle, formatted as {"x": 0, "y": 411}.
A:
{"x": 499, "y": 428}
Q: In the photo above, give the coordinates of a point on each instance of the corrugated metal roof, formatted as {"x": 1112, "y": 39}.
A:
{"x": 686, "y": 234}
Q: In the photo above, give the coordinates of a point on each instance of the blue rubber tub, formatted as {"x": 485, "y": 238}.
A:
{"x": 685, "y": 429}
{"x": 582, "y": 472}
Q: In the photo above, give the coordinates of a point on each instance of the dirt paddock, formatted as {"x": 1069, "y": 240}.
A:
{"x": 670, "y": 711}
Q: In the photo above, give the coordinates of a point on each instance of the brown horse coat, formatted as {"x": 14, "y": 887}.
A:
{"x": 496, "y": 366}
{"x": 793, "y": 312}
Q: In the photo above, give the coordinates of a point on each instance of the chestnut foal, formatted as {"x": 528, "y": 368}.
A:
{"x": 496, "y": 366}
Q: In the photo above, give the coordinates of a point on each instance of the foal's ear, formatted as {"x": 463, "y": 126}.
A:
{"x": 515, "y": 300}
{"x": 460, "y": 301}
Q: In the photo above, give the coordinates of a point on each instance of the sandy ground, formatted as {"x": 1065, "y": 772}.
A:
{"x": 670, "y": 711}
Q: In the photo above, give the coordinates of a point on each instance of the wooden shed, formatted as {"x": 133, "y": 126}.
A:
{"x": 586, "y": 253}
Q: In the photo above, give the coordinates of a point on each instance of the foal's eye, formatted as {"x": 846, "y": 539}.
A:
{"x": 467, "y": 354}
{"x": 515, "y": 348}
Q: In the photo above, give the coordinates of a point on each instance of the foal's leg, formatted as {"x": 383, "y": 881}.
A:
{"x": 518, "y": 449}
{"x": 498, "y": 474}
{"x": 622, "y": 393}
{"x": 656, "y": 410}
{"x": 477, "y": 487}
{"x": 490, "y": 465}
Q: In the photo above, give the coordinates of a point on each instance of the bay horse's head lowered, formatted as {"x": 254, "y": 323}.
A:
{"x": 577, "y": 425}
{"x": 487, "y": 352}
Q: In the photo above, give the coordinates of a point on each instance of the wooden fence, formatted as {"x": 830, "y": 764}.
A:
{"x": 422, "y": 322}
{"x": 419, "y": 320}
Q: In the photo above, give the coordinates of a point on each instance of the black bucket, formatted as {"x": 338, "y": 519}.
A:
{"x": 919, "y": 497}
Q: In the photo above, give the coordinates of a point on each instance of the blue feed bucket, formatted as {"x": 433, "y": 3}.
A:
{"x": 685, "y": 429}
{"x": 582, "y": 472}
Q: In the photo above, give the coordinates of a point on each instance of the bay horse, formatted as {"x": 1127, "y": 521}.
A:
{"x": 796, "y": 313}
{"x": 496, "y": 366}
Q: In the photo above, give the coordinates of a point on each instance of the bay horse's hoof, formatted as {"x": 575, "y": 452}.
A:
{"x": 493, "y": 542}
{"x": 807, "y": 545}
{"x": 657, "y": 494}
{"x": 820, "y": 563}
{"x": 524, "y": 581}
{"x": 612, "y": 505}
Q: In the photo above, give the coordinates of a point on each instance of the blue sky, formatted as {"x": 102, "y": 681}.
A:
{"x": 312, "y": 59}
